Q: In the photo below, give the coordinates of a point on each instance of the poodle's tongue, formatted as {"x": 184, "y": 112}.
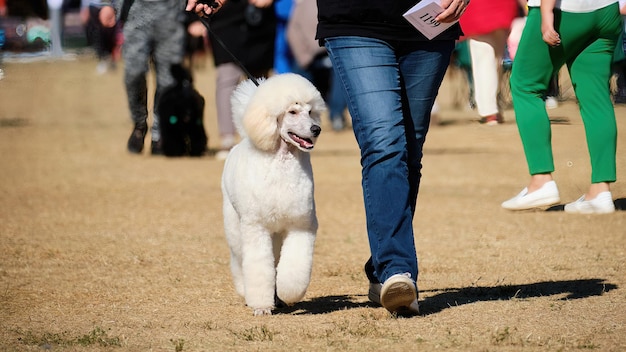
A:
{"x": 302, "y": 142}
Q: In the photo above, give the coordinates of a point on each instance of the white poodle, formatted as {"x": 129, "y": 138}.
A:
{"x": 267, "y": 185}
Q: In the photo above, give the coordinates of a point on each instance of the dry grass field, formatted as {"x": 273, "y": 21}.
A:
{"x": 101, "y": 250}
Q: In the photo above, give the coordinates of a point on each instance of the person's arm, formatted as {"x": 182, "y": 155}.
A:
{"x": 550, "y": 35}
{"x": 524, "y": 6}
{"x": 453, "y": 9}
{"x": 202, "y": 9}
{"x": 84, "y": 12}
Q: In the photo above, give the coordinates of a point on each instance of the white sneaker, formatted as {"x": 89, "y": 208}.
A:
{"x": 102, "y": 67}
{"x": 399, "y": 295}
{"x": 548, "y": 194}
{"x": 552, "y": 103}
{"x": 601, "y": 204}
{"x": 222, "y": 154}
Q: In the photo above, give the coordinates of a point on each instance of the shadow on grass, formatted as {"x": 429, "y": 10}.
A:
{"x": 324, "y": 305}
{"x": 572, "y": 289}
{"x": 620, "y": 204}
{"x": 451, "y": 297}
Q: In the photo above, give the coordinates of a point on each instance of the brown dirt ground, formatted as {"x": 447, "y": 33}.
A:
{"x": 102, "y": 250}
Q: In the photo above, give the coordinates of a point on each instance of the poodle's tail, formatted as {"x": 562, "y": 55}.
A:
{"x": 239, "y": 102}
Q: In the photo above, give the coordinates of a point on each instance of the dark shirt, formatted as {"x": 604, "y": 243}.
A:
{"x": 378, "y": 19}
{"x": 249, "y": 37}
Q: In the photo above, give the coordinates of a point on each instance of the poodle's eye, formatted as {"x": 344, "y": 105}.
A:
{"x": 293, "y": 112}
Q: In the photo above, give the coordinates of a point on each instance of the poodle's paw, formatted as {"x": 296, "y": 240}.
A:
{"x": 291, "y": 298}
{"x": 262, "y": 311}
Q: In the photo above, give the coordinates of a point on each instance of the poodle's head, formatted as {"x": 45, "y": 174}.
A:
{"x": 284, "y": 108}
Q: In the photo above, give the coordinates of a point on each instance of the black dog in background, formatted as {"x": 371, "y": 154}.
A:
{"x": 181, "y": 114}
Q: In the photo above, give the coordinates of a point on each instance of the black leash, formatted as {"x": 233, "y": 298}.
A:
{"x": 126, "y": 4}
{"x": 207, "y": 24}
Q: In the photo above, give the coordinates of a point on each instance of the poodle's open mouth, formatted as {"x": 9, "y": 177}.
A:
{"x": 304, "y": 143}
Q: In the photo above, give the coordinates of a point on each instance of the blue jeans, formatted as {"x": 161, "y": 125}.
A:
{"x": 336, "y": 99}
{"x": 390, "y": 90}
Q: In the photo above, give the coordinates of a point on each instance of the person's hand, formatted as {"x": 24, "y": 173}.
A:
{"x": 84, "y": 15}
{"x": 197, "y": 29}
{"x": 261, "y": 3}
{"x": 549, "y": 35}
{"x": 107, "y": 16}
{"x": 453, "y": 9}
{"x": 203, "y": 9}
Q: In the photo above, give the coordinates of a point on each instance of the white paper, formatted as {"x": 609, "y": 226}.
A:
{"x": 422, "y": 16}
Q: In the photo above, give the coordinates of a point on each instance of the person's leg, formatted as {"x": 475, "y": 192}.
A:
{"x": 336, "y": 102}
{"x": 108, "y": 40}
{"x": 56, "y": 29}
{"x": 619, "y": 69}
{"x": 168, "y": 50}
{"x": 590, "y": 72}
{"x": 529, "y": 86}
{"x": 484, "y": 65}
{"x": 136, "y": 55}
{"x": 373, "y": 83}
{"x": 228, "y": 76}
{"x": 532, "y": 70}
{"x": 422, "y": 70}
{"x": 531, "y": 73}
{"x": 370, "y": 75}
{"x": 93, "y": 30}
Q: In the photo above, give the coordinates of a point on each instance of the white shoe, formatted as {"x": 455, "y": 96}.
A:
{"x": 102, "y": 67}
{"x": 548, "y": 194}
{"x": 552, "y": 103}
{"x": 222, "y": 154}
{"x": 399, "y": 295}
{"x": 601, "y": 204}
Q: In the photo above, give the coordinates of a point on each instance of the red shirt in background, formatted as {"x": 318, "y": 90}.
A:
{"x": 485, "y": 16}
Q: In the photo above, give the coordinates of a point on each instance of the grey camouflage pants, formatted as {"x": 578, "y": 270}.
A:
{"x": 153, "y": 33}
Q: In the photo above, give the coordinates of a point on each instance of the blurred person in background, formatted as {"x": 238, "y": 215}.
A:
{"x": 3, "y": 13}
{"x": 55, "y": 9}
{"x": 312, "y": 60}
{"x": 283, "y": 61}
{"x": 248, "y": 29}
{"x": 619, "y": 64}
{"x": 517, "y": 27}
{"x": 196, "y": 41}
{"x": 486, "y": 25}
{"x": 153, "y": 33}
{"x": 582, "y": 35}
{"x": 99, "y": 19}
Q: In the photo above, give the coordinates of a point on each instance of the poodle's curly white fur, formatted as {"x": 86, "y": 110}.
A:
{"x": 267, "y": 185}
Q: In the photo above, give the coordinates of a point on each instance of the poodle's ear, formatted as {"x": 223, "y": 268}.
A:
{"x": 261, "y": 127}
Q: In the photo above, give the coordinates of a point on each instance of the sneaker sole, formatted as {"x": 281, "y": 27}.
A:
{"x": 398, "y": 297}
{"x": 573, "y": 210}
{"x": 546, "y": 202}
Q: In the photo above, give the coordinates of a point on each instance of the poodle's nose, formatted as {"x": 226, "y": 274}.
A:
{"x": 316, "y": 130}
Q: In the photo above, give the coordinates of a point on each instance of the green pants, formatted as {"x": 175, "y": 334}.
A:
{"x": 587, "y": 44}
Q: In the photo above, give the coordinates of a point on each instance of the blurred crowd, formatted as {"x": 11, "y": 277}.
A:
{"x": 277, "y": 36}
